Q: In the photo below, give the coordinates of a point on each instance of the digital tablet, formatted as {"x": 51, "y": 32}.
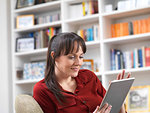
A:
{"x": 116, "y": 93}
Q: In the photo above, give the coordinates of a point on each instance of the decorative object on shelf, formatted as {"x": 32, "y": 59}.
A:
{"x": 25, "y": 44}
{"x": 138, "y": 99}
{"x": 125, "y": 5}
{"x": 108, "y": 8}
{"x": 88, "y": 64}
{"x": 34, "y": 70}
{"x": 25, "y": 21}
{"x": 142, "y": 3}
{"x": 131, "y": 4}
{"x": 24, "y": 3}
{"x": 19, "y": 73}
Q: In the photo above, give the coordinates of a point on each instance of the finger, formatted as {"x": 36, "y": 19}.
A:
{"x": 118, "y": 76}
{"x": 123, "y": 73}
{"x": 129, "y": 74}
{"x": 104, "y": 108}
{"x": 96, "y": 110}
{"x": 109, "y": 82}
{"x": 108, "y": 109}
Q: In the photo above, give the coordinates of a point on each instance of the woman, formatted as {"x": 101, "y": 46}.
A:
{"x": 66, "y": 88}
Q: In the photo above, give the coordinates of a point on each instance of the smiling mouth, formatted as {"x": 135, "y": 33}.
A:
{"x": 75, "y": 69}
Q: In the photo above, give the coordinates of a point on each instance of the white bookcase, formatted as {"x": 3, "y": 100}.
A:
{"x": 97, "y": 50}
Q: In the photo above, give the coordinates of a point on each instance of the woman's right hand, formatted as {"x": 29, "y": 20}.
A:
{"x": 105, "y": 109}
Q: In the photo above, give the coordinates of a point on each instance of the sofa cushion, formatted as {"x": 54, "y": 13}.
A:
{"x": 27, "y": 104}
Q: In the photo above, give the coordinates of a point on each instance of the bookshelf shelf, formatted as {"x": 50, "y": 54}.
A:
{"x": 40, "y": 26}
{"x": 126, "y": 13}
{"x": 85, "y": 19}
{"x": 32, "y": 53}
{"x": 93, "y": 44}
{"x": 128, "y": 39}
{"x": 17, "y": 82}
{"x": 39, "y": 8}
{"x": 143, "y": 69}
{"x": 73, "y": 1}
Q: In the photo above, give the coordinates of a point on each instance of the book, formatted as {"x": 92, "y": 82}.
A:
{"x": 112, "y": 59}
{"x": 130, "y": 27}
{"x": 118, "y": 60}
{"x": 95, "y": 6}
{"x": 135, "y": 56}
{"x": 96, "y": 31}
{"x": 143, "y": 54}
{"x": 128, "y": 60}
{"x": 113, "y": 30}
{"x": 83, "y": 8}
{"x": 148, "y": 24}
{"x": 140, "y": 58}
{"x": 147, "y": 56}
{"x": 75, "y": 10}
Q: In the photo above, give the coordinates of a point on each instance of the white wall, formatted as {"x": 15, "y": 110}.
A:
{"x": 5, "y": 58}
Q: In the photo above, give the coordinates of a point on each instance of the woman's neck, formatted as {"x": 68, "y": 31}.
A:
{"x": 68, "y": 84}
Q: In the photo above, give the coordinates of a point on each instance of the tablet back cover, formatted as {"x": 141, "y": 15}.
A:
{"x": 117, "y": 93}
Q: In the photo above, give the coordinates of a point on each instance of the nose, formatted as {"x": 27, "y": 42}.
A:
{"x": 78, "y": 61}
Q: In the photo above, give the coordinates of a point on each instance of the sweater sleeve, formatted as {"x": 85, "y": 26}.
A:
{"x": 45, "y": 102}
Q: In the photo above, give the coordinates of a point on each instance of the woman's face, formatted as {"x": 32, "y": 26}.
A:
{"x": 69, "y": 65}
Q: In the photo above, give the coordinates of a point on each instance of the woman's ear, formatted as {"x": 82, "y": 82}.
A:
{"x": 52, "y": 54}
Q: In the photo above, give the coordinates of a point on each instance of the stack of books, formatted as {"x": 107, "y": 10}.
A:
{"x": 90, "y": 34}
{"x": 130, "y": 59}
{"x": 83, "y": 8}
{"x": 130, "y": 28}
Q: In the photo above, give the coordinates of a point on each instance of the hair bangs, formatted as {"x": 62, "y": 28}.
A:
{"x": 69, "y": 46}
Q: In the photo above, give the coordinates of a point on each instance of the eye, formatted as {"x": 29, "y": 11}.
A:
{"x": 71, "y": 57}
{"x": 81, "y": 57}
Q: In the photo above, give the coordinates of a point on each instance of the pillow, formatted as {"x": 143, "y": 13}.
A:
{"x": 27, "y": 104}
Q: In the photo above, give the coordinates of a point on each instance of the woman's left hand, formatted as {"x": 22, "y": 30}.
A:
{"x": 119, "y": 77}
{"x": 122, "y": 75}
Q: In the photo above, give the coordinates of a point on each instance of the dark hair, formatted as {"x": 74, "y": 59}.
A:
{"x": 61, "y": 44}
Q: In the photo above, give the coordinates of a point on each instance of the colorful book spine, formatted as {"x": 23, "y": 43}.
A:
{"x": 147, "y": 56}
{"x": 112, "y": 58}
{"x": 143, "y": 55}
{"x": 83, "y": 7}
{"x": 130, "y": 59}
{"x": 89, "y": 34}
{"x": 140, "y": 58}
{"x": 135, "y": 56}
